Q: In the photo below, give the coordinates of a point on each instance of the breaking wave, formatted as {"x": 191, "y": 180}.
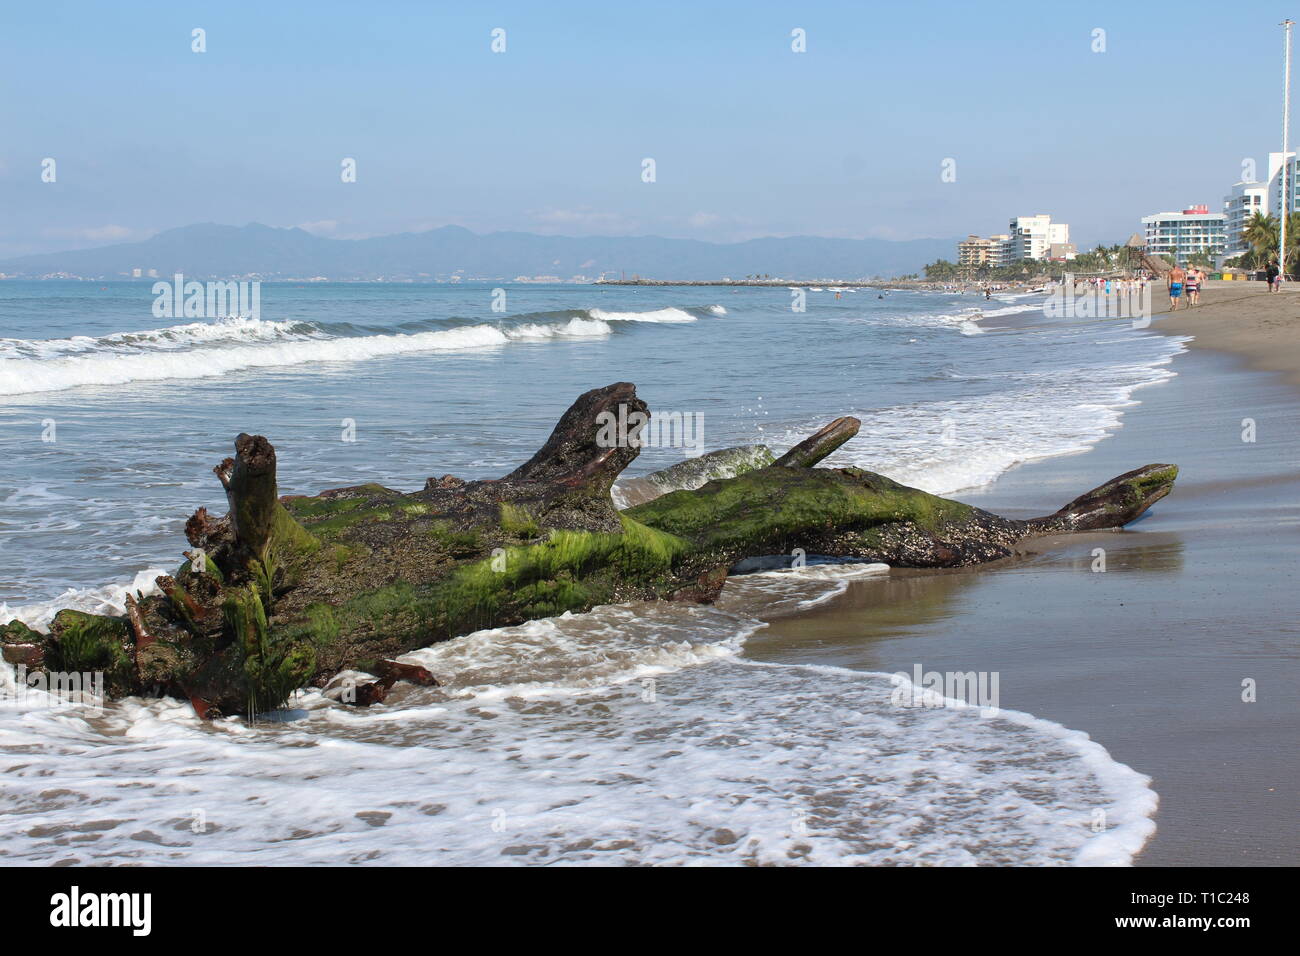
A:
{"x": 208, "y": 349}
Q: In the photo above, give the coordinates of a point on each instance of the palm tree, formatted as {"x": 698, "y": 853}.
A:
{"x": 1261, "y": 233}
{"x": 1292, "y": 242}
{"x": 941, "y": 270}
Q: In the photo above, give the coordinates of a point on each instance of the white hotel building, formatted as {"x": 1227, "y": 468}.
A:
{"x": 1027, "y": 237}
{"x": 1247, "y": 198}
{"x": 1176, "y": 236}
{"x": 1240, "y": 206}
{"x": 1034, "y": 237}
{"x": 1282, "y": 166}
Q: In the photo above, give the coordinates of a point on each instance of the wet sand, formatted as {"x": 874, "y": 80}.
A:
{"x": 1149, "y": 656}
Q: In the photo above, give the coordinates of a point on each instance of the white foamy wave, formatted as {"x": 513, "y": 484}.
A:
{"x": 788, "y": 590}
{"x": 21, "y": 376}
{"x": 1009, "y": 310}
{"x": 574, "y": 328}
{"x": 964, "y": 322}
{"x": 669, "y": 314}
{"x": 631, "y": 735}
{"x": 170, "y": 338}
{"x": 950, "y": 446}
{"x": 1015, "y": 296}
{"x": 107, "y": 599}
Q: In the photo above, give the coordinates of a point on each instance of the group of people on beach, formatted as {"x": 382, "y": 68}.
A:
{"x": 1182, "y": 280}
{"x": 1123, "y": 285}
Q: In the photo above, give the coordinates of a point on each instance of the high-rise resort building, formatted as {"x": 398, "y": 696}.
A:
{"x": 1034, "y": 236}
{"x": 1280, "y": 166}
{"x": 1177, "y": 236}
{"x": 1249, "y": 197}
{"x": 976, "y": 251}
{"x": 1031, "y": 237}
{"x": 1239, "y": 206}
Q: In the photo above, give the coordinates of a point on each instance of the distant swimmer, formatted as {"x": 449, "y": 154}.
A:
{"x": 880, "y": 297}
{"x": 988, "y": 294}
{"x": 837, "y": 295}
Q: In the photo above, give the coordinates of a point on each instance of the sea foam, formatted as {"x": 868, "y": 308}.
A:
{"x": 629, "y": 735}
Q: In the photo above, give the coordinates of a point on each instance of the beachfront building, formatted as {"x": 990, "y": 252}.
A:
{"x": 1034, "y": 236}
{"x": 1176, "y": 236}
{"x": 1282, "y": 179}
{"x": 1239, "y": 207}
{"x": 1248, "y": 197}
{"x": 1030, "y": 237}
{"x": 974, "y": 251}
{"x": 977, "y": 251}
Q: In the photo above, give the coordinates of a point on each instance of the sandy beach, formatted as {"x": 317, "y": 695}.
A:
{"x": 1245, "y": 319}
{"x": 1197, "y": 602}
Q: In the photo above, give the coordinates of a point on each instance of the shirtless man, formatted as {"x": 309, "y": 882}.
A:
{"x": 1177, "y": 276}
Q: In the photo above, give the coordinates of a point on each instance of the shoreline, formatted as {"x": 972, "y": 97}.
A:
{"x": 829, "y": 285}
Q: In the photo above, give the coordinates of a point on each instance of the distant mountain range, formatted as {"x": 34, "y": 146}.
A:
{"x": 214, "y": 251}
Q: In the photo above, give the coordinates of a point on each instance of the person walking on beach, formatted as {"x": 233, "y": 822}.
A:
{"x": 1177, "y": 276}
{"x": 1194, "y": 278}
{"x": 1270, "y": 273}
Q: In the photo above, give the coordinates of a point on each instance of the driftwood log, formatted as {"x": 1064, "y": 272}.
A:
{"x": 286, "y": 592}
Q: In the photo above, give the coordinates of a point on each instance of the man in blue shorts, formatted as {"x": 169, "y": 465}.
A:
{"x": 1177, "y": 276}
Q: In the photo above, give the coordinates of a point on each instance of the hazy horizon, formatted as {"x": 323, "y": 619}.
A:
{"x": 105, "y": 243}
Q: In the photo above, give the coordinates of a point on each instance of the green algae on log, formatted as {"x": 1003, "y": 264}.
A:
{"x": 286, "y": 592}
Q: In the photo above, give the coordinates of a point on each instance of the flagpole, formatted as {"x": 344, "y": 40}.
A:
{"x": 1287, "y": 187}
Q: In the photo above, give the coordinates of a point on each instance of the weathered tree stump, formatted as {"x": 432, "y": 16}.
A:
{"x": 286, "y": 592}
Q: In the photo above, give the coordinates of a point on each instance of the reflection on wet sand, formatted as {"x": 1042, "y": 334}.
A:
{"x": 909, "y": 602}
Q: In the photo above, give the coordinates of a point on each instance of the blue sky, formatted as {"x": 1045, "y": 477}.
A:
{"x": 749, "y": 138}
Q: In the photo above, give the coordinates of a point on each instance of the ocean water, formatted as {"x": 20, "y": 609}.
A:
{"x": 624, "y": 735}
